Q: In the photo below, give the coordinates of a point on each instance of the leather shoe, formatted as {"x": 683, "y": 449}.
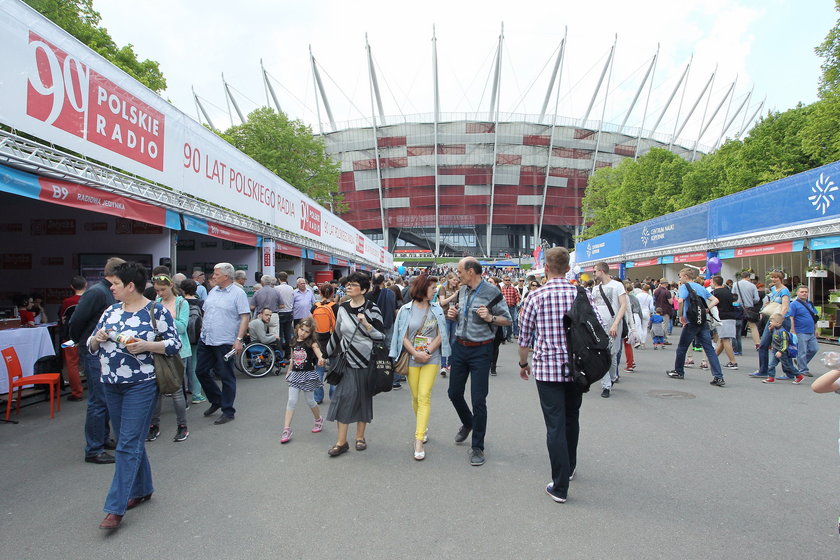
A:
{"x": 111, "y": 521}
{"x": 74, "y": 398}
{"x": 462, "y": 434}
{"x": 134, "y": 502}
{"x": 110, "y": 444}
{"x": 101, "y": 459}
{"x": 210, "y": 411}
{"x": 224, "y": 419}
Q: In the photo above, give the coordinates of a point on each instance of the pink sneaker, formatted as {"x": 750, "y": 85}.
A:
{"x": 287, "y": 435}
{"x": 319, "y": 424}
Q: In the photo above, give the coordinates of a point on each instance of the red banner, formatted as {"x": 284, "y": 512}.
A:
{"x": 321, "y": 257}
{"x": 287, "y": 249}
{"x": 770, "y": 249}
{"x": 648, "y": 262}
{"x": 339, "y": 262}
{"x": 95, "y": 200}
{"x": 690, "y": 257}
{"x": 230, "y": 234}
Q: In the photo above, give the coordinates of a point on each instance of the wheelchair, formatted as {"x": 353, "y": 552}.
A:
{"x": 258, "y": 359}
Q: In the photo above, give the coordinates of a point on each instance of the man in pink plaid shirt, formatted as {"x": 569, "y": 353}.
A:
{"x": 541, "y": 328}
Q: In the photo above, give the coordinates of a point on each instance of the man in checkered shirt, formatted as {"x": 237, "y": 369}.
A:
{"x": 541, "y": 328}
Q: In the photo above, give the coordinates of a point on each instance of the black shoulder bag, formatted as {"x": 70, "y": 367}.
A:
{"x": 339, "y": 363}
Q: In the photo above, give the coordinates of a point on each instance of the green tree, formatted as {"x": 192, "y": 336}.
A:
{"x": 290, "y": 150}
{"x": 78, "y": 18}
{"x": 829, "y": 51}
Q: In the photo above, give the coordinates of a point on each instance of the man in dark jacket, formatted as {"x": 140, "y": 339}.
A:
{"x": 88, "y": 311}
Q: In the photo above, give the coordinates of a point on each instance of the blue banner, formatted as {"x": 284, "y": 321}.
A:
{"x": 807, "y": 198}
{"x": 599, "y": 248}
{"x": 197, "y": 225}
{"x": 19, "y": 183}
{"x": 825, "y": 242}
{"x": 678, "y": 228}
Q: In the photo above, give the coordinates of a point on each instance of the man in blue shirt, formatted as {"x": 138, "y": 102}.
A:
{"x": 802, "y": 314}
{"x": 200, "y": 290}
{"x": 226, "y": 317}
{"x": 692, "y": 331}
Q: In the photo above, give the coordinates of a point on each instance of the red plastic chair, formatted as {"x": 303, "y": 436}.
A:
{"x": 17, "y": 379}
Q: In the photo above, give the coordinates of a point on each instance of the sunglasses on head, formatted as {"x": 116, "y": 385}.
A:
{"x": 162, "y": 279}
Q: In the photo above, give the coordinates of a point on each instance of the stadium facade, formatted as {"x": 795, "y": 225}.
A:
{"x": 492, "y": 183}
{"x": 520, "y": 180}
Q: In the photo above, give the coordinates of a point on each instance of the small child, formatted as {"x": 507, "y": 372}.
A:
{"x": 779, "y": 351}
{"x": 305, "y": 355}
{"x": 657, "y": 329}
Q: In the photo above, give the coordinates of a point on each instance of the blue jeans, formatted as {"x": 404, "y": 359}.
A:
{"x": 450, "y": 332}
{"x": 808, "y": 348}
{"x": 319, "y": 392}
{"x": 130, "y": 406}
{"x": 764, "y": 346}
{"x": 513, "y": 328}
{"x": 560, "y": 404}
{"x": 192, "y": 380}
{"x": 736, "y": 342}
{"x": 472, "y": 362}
{"x": 213, "y": 358}
{"x": 286, "y": 337}
{"x": 701, "y": 334}
{"x": 787, "y": 364}
{"x": 96, "y": 420}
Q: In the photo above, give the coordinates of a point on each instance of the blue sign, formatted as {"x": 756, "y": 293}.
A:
{"x": 685, "y": 226}
{"x": 807, "y": 198}
{"x": 19, "y": 183}
{"x": 599, "y": 248}
{"x": 198, "y": 225}
{"x": 825, "y": 242}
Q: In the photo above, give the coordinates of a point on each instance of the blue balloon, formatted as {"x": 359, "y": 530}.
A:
{"x": 714, "y": 265}
{"x": 401, "y": 270}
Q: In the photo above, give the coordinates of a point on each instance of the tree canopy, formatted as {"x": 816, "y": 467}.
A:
{"x": 290, "y": 150}
{"x": 780, "y": 145}
{"x": 78, "y": 18}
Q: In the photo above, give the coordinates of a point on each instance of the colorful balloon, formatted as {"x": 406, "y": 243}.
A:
{"x": 714, "y": 265}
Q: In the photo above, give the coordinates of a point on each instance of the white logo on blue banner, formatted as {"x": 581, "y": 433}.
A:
{"x": 645, "y": 236}
{"x": 823, "y": 189}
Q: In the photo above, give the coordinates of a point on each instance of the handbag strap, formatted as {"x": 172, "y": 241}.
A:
{"x": 151, "y": 310}
{"x": 606, "y": 300}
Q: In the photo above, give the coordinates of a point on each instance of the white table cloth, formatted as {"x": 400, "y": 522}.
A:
{"x": 31, "y": 344}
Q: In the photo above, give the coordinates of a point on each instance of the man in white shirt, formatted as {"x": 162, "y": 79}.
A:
{"x": 611, "y": 301}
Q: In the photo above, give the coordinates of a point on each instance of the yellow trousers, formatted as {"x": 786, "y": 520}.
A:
{"x": 420, "y": 381}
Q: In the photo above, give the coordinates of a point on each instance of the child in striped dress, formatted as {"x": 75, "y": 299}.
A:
{"x": 302, "y": 377}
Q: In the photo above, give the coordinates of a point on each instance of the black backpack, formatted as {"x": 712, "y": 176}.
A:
{"x": 587, "y": 341}
{"x": 195, "y": 323}
{"x": 695, "y": 310}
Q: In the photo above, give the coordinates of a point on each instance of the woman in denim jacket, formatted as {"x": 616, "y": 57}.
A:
{"x": 420, "y": 330}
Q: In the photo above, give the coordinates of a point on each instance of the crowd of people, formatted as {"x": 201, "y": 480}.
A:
{"x": 438, "y": 327}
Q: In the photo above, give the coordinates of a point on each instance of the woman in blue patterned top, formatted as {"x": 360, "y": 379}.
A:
{"x": 124, "y": 340}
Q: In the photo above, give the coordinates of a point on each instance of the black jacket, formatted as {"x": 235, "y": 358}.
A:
{"x": 88, "y": 311}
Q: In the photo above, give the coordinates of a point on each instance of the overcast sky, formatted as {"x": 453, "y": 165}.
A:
{"x": 767, "y": 44}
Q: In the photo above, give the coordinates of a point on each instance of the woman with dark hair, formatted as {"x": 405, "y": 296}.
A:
{"x": 124, "y": 339}
{"x": 420, "y": 330}
{"x": 358, "y": 325}
{"x": 190, "y": 291}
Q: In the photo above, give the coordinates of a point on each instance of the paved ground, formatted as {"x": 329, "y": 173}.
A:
{"x": 745, "y": 471}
